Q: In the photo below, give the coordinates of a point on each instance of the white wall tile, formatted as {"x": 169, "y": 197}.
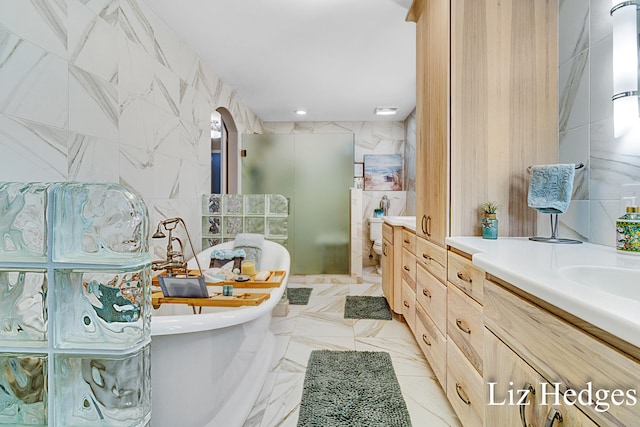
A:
{"x": 601, "y": 21}
{"x": 42, "y": 23}
{"x": 574, "y": 148}
{"x": 573, "y": 90}
{"x": 31, "y": 151}
{"x": 603, "y": 220}
{"x": 93, "y": 159}
{"x": 601, "y": 80}
{"x": 34, "y": 83}
{"x": 93, "y": 105}
{"x": 92, "y": 43}
{"x": 574, "y": 32}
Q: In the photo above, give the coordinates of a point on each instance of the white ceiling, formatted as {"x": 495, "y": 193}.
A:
{"x": 338, "y": 59}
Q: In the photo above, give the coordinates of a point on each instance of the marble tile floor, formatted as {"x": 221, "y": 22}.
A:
{"x": 320, "y": 325}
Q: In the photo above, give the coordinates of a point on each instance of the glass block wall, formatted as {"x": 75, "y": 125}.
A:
{"x": 75, "y": 306}
{"x": 225, "y": 215}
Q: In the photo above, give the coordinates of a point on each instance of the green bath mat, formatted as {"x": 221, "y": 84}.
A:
{"x": 366, "y": 307}
{"x": 351, "y": 389}
{"x": 298, "y": 296}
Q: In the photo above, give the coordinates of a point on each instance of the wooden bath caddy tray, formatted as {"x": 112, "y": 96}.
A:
{"x": 218, "y": 300}
{"x": 273, "y": 281}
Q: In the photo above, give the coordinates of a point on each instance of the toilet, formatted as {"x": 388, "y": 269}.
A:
{"x": 375, "y": 234}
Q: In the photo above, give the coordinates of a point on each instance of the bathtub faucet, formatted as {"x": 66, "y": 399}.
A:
{"x": 174, "y": 263}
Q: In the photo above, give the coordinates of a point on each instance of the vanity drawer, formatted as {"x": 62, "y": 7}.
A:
{"x": 560, "y": 352}
{"x": 432, "y": 296}
{"x": 409, "y": 268}
{"x": 433, "y": 344}
{"x": 465, "y": 388}
{"x": 387, "y": 232}
{"x": 409, "y": 305}
{"x": 409, "y": 241}
{"x": 433, "y": 258}
{"x": 465, "y": 325}
{"x": 466, "y": 276}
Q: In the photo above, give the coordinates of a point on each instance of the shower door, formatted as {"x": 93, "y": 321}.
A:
{"x": 315, "y": 171}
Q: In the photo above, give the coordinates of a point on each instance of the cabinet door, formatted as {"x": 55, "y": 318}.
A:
{"x": 514, "y": 394}
{"x": 432, "y": 119}
{"x": 386, "y": 263}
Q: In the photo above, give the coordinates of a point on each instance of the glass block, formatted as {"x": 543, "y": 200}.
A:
{"x": 232, "y": 225}
{"x": 254, "y": 225}
{"x": 212, "y": 225}
{"x": 102, "y": 309}
{"x": 232, "y": 204}
{"x": 23, "y": 224}
{"x": 23, "y": 307}
{"x": 101, "y": 390}
{"x": 207, "y": 243}
{"x": 99, "y": 223}
{"x": 23, "y": 386}
{"x": 213, "y": 204}
{"x": 277, "y": 227}
{"x": 254, "y": 204}
{"x": 278, "y": 204}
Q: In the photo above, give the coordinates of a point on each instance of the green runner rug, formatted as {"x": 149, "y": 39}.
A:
{"x": 366, "y": 307}
{"x": 351, "y": 389}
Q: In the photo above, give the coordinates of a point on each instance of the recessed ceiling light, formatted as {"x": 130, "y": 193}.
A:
{"x": 385, "y": 111}
{"x": 301, "y": 112}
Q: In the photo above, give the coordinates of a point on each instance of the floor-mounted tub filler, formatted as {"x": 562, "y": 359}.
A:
{"x": 207, "y": 369}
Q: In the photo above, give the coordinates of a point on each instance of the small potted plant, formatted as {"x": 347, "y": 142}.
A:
{"x": 489, "y": 220}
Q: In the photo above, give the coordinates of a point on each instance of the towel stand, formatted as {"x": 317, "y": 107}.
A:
{"x": 554, "y": 225}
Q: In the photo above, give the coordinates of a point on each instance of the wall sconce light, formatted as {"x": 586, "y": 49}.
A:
{"x": 626, "y": 111}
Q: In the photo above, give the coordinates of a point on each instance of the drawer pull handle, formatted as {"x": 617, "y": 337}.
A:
{"x": 427, "y": 257}
{"x": 464, "y": 277}
{"x": 532, "y": 391}
{"x": 462, "y": 395}
{"x": 463, "y": 328}
{"x": 553, "y": 415}
{"x": 406, "y": 241}
{"x": 426, "y": 293}
{"x": 384, "y": 249}
{"x": 406, "y": 268}
{"x": 406, "y": 304}
{"x": 426, "y": 341}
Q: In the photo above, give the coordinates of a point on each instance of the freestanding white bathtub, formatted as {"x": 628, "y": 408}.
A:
{"x": 207, "y": 369}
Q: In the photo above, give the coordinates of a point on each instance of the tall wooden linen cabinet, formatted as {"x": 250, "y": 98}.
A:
{"x": 486, "y": 108}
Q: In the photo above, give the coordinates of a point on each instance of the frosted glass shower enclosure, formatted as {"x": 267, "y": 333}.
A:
{"x": 315, "y": 171}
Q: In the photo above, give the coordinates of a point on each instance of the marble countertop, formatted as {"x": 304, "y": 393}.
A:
{"x": 539, "y": 269}
{"x": 408, "y": 222}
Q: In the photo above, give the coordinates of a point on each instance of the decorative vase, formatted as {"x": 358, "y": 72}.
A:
{"x": 489, "y": 226}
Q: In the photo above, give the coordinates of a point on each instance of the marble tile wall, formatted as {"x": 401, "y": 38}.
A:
{"x": 104, "y": 91}
{"x": 370, "y": 138}
{"x": 586, "y": 124}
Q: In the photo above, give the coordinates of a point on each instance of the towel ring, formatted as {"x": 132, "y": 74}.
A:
{"x": 578, "y": 166}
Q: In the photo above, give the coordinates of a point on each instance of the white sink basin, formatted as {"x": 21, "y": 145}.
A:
{"x": 622, "y": 282}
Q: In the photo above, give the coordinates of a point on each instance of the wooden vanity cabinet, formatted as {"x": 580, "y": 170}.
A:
{"x": 558, "y": 352}
{"x": 508, "y": 375}
{"x": 391, "y": 272}
{"x": 432, "y": 112}
{"x": 465, "y": 338}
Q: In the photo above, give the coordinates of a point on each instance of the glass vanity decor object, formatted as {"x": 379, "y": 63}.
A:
{"x": 489, "y": 220}
{"x": 75, "y": 306}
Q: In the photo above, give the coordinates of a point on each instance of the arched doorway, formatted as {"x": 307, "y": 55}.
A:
{"x": 224, "y": 153}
